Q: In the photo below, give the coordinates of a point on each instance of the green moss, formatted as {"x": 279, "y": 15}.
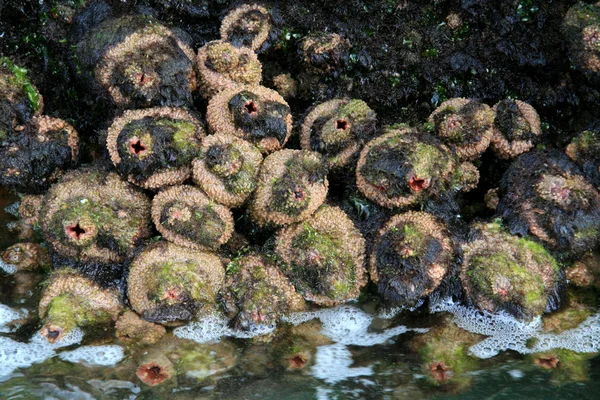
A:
{"x": 426, "y": 160}
{"x": 184, "y": 136}
{"x": 356, "y": 111}
{"x": 184, "y": 276}
{"x": 539, "y": 253}
{"x": 20, "y": 79}
{"x": 68, "y": 311}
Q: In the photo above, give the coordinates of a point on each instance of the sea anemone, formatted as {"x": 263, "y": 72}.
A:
{"x": 338, "y": 129}
{"x": 464, "y": 125}
{"x": 581, "y": 29}
{"x": 516, "y": 126}
{"x": 254, "y": 113}
{"x": 584, "y": 150}
{"x": 325, "y": 52}
{"x": 27, "y": 257}
{"x": 411, "y": 256}
{"x": 185, "y": 216}
{"x": 324, "y": 257}
{"x": 169, "y": 284}
{"x": 155, "y": 147}
{"x": 130, "y": 328}
{"x": 246, "y": 26}
{"x": 221, "y": 64}
{"x": 292, "y": 184}
{"x": 227, "y": 169}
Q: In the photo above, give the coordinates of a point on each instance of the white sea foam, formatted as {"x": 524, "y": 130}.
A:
{"x": 94, "y": 355}
{"x": 213, "y": 328}
{"x": 332, "y": 364}
{"x": 8, "y": 315}
{"x": 506, "y": 333}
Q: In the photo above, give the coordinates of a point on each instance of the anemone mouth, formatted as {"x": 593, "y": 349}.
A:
{"x": 298, "y": 194}
{"x": 152, "y": 374}
{"x": 143, "y": 79}
{"x": 418, "y": 184}
{"x": 78, "y": 232}
{"x": 297, "y": 361}
{"x": 251, "y": 107}
{"x": 549, "y": 362}
{"x": 441, "y": 372}
{"x": 341, "y": 124}
{"x": 52, "y": 333}
{"x": 137, "y": 147}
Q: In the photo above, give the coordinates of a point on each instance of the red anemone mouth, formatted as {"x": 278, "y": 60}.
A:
{"x": 549, "y": 362}
{"x": 137, "y": 147}
{"x": 52, "y": 333}
{"x": 297, "y": 361}
{"x": 251, "y": 107}
{"x": 77, "y": 231}
{"x": 341, "y": 124}
{"x": 441, "y": 372}
{"x": 418, "y": 184}
{"x": 152, "y": 374}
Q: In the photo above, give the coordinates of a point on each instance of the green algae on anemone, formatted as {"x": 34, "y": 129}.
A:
{"x": 35, "y": 157}
{"x": 444, "y": 355}
{"x": 584, "y": 150}
{"x": 405, "y": 166}
{"x": 464, "y": 125}
{"x": 324, "y": 257}
{"x": 248, "y": 25}
{"x": 93, "y": 216}
{"x": 155, "y": 147}
{"x": 257, "y": 293}
{"x": 338, "y": 129}
{"x": 565, "y": 366}
{"x": 20, "y": 100}
{"x": 138, "y": 62}
{"x": 70, "y": 300}
{"x": 501, "y": 272}
{"x": 227, "y": 169}
{"x": 544, "y": 195}
{"x": 516, "y": 126}
{"x": 221, "y": 64}
{"x": 411, "y": 256}
{"x": 254, "y": 113}
{"x": 170, "y": 284}
{"x": 581, "y": 30}
{"x": 292, "y": 184}
{"x": 185, "y": 216}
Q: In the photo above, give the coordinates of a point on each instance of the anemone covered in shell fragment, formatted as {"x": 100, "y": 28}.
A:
{"x": 325, "y": 52}
{"x": 292, "y": 184}
{"x": 248, "y": 25}
{"x": 34, "y": 158}
{"x": 94, "y": 216}
{"x": 516, "y": 126}
{"x": 221, "y": 64}
{"x": 584, "y": 150}
{"x": 405, "y": 166}
{"x": 170, "y": 284}
{"x": 185, "y": 216}
{"x": 464, "y": 125}
{"x": 501, "y": 272}
{"x": 253, "y": 113}
{"x": 324, "y": 257}
{"x": 20, "y": 100}
{"x": 256, "y": 292}
{"x": 581, "y": 30}
{"x": 338, "y": 129}
{"x": 155, "y": 147}
{"x": 138, "y": 62}
{"x": 227, "y": 169}
{"x": 411, "y": 256}
{"x": 543, "y": 194}
{"x": 70, "y": 300}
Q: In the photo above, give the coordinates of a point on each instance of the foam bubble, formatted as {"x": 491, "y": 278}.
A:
{"x": 94, "y": 355}
{"x": 15, "y": 354}
{"x": 332, "y": 364}
{"x": 212, "y": 328}
{"x": 8, "y": 315}
{"x": 506, "y": 333}
{"x": 348, "y": 325}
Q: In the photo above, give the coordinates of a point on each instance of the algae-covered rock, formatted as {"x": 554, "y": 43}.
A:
{"x": 505, "y": 272}
{"x": 292, "y": 184}
{"x": 227, "y": 169}
{"x": 169, "y": 284}
{"x": 256, "y": 292}
{"x": 138, "y": 62}
{"x": 155, "y": 147}
{"x": 221, "y": 65}
{"x": 338, "y": 129}
{"x": 253, "y": 113}
{"x": 185, "y": 216}
{"x": 70, "y": 300}
{"x": 92, "y": 215}
{"x": 405, "y": 166}
{"x": 543, "y": 194}
{"x": 464, "y": 125}
{"x": 324, "y": 257}
{"x": 411, "y": 256}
